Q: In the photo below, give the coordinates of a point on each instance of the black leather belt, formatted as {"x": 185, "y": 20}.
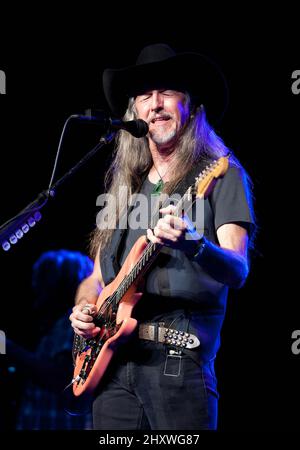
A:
{"x": 170, "y": 336}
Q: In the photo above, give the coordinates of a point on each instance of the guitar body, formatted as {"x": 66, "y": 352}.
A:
{"x": 108, "y": 339}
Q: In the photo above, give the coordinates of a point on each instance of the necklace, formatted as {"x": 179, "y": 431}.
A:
{"x": 160, "y": 184}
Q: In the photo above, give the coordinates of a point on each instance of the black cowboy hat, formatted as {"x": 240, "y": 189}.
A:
{"x": 159, "y": 67}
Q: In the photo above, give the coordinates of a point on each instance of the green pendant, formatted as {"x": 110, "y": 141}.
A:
{"x": 158, "y": 187}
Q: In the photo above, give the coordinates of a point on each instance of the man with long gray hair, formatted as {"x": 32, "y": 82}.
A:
{"x": 163, "y": 377}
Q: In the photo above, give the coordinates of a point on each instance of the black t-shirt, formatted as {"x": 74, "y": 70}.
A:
{"x": 177, "y": 290}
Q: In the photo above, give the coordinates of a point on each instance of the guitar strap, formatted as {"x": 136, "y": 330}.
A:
{"x": 189, "y": 179}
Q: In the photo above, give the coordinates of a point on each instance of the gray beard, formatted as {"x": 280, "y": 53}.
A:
{"x": 159, "y": 138}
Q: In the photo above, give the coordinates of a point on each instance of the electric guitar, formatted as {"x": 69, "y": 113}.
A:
{"x": 117, "y": 300}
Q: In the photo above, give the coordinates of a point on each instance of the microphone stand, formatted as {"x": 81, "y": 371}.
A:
{"x": 14, "y": 229}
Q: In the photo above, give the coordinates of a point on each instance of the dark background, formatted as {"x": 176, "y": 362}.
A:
{"x": 53, "y": 66}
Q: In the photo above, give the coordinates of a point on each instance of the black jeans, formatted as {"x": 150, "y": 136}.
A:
{"x": 149, "y": 389}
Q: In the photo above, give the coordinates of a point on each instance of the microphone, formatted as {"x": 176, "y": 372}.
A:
{"x": 138, "y": 128}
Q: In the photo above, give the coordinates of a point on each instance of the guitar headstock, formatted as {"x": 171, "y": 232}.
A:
{"x": 208, "y": 176}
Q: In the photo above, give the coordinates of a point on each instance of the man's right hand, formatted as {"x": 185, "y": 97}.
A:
{"x": 82, "y": 319}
